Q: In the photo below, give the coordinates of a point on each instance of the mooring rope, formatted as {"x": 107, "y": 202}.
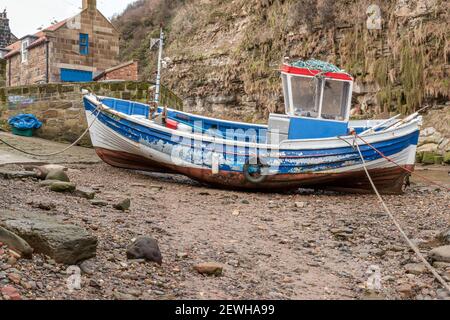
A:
{"x": 397, "y": 224}
{"x": 58, "y": 152}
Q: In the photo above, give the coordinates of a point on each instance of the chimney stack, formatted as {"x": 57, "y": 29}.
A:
{"x": 90, "y": 4}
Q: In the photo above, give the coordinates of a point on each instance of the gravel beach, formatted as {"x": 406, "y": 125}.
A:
{"x": 302, "y": 245}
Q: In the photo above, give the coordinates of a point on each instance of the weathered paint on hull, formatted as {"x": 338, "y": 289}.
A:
{"x": 388, "y": 180}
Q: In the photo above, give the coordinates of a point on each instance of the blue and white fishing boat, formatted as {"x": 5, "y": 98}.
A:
{"x": 312, "y": 145}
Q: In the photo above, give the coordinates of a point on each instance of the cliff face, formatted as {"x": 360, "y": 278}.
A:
{"x": 223, "y": 56}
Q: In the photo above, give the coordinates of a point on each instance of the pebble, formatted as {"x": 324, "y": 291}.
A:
{"x": 10, "y": 293}
{"x": 14, "y": 278}
{"x": 99, "y": 203}
{"x": 415, "y": 268}
{"x": 300, "y": 205}
{"x": 209, "y": 268}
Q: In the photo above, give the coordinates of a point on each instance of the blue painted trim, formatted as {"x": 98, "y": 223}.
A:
{"x": 84, "y": 44}
{"x": 72, "y": 75}
{"x": 306, "y": 128}
{"x": 290, "y": 161}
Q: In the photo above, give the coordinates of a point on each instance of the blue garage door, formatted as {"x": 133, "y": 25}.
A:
{"x": 72, "y": 75}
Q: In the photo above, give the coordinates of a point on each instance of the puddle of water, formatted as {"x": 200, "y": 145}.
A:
{"x": 440, "y": 174}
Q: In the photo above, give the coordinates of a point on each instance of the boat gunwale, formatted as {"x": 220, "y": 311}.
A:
{"x": 340, "y": 142}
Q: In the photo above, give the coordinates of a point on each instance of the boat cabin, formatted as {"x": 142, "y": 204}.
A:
{"x": 317, "y": 104}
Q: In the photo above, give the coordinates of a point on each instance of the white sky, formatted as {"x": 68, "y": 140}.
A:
{"x": 26, "y": 16}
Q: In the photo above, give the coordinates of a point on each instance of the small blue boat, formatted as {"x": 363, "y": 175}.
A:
{"x": 310, "y": 146}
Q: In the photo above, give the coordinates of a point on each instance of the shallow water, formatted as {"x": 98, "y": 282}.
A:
{"x": 440, "y": 174}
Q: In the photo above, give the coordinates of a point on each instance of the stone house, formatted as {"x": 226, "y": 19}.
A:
{"x": 74, "y": 50}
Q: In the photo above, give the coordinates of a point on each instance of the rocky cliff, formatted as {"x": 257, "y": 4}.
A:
{"x": 223, "y": 57}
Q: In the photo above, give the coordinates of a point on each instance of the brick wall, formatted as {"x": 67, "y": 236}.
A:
{"x": 60, "y": 107}
{"x": 128, "y": 71}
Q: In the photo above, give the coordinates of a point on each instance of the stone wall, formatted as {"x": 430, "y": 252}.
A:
{"x": 60, "y": 107}
{"x": 2, "y": 72}
{"x": 32, "y": 71}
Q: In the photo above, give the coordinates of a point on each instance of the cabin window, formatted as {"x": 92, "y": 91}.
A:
{"x": 286, "y": 92}
{"x": 335, "y": 100}
{"x": 25, "y": 45}
{"x": 84, "y": 44}
{"x": 305, "y": 96}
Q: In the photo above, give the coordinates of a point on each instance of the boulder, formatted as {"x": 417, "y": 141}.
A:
{"x": 440, "y": 254}
{"x": 429, "y": 147}
{"x": 64, "y": 243}
{"x": 58, "y": 175}
{"x": 209, "y": 268}
{"x": 435, "y": 138}
{"x": 46, "y": 183}
{"x": 438, "y": 159}
{"x": 145, "y": 248}
{"x": 419, "y": 157}
{"x": 43, "y": 171}
{"x": 444, "y": 145}
{"x": 428, "y": 157}
{"x": 86, "y": 193}
{"x": 427, "y": 132}
{"x": 60, "y": 186}
{"x": 15, "y": 243}
{"x": 447, "y": 157}
{"x": 10, "y": 175}
{"x": 123, "y": 205}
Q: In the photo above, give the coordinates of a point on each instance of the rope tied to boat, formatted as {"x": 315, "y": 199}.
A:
{"x": 397, "y": 224}
{"x": 58, "y": 152}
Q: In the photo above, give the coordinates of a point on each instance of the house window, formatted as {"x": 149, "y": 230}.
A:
{"x": 84, "y": 44}
{"x": 25, "y": 45}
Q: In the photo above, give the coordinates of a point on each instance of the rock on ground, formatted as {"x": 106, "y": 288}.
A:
{"x": 209, "y": 268}
{"x": 58, "y": 175}
{"x": 16, "y": 243}
{"x": 8, "y": 174}
{"x": 145, "y": 248}
{"x": 445, "y": 237}
{"x": 415, "y": 268}
{"x": 441, "y": 254}
{"x": 60, "y": 186}
{"x": 86, "y": 193}
{"x": 43, "y": 171}
{"x": 123, "y": 205}
{"x": 67, "y": 244}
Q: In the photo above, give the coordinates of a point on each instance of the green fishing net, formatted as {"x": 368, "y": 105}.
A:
{"x": 314, "y": 64}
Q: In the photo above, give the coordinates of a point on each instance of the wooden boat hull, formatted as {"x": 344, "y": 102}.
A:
{"x": 128, "y": 143}
{"x": 387, "y": 180}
